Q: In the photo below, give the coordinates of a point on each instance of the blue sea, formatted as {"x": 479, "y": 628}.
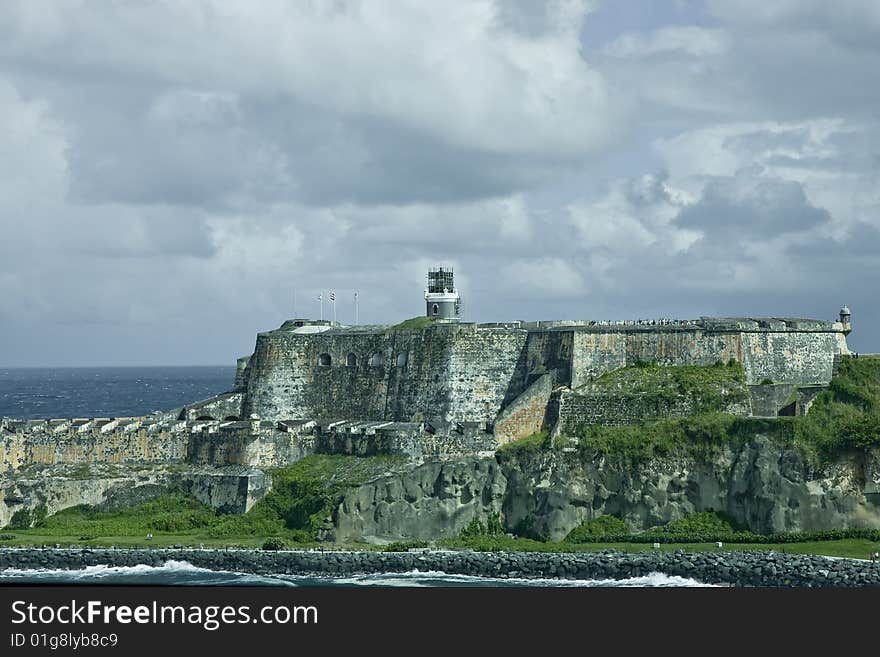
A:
{"x": 68, "y": 392}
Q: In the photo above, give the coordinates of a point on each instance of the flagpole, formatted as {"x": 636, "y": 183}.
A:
{"x": 333, "y": 300}
{"x": 355, "y": 308}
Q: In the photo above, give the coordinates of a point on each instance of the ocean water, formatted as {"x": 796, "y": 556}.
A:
{"x": 181, "y": 573}
{"x": 67, "y": 392}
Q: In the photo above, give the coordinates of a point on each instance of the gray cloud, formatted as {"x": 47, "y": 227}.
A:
{"x": 747, "y": 206}
{"x": 170, "y": 174}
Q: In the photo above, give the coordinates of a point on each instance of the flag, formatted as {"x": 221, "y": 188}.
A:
{"x": 355, "y": 296}
{"x": 320, "y": 297}
{"x": 332, "y": 295}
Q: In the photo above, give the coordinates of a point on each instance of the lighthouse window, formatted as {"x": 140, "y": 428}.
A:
{"x": 401, "y": 359}
{"x": 324, "y": 360}
{"x": 435, "y": 309}
{"x": 377, "y": 360}
{"x": 352, "y": 360}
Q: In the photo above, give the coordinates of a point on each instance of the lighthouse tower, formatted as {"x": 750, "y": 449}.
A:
{"x": 442, "y": 300}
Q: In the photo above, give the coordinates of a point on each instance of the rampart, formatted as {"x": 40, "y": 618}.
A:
{"x": 434, "y": 391}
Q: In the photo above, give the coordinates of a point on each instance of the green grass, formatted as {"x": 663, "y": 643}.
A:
{"x": 700, "y": 436}
{"x": 536, "y": 442}
{"x": 303, "y": 496}
{"x": 709, "y": 388}
{"x": 681, "y": 379}
{"x": 846, "y": 417}
{"x": 843, "y": 419}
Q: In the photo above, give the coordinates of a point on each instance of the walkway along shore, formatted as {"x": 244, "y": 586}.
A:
{"x": 736, "y": 568}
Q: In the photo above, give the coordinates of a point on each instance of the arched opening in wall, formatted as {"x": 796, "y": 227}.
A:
{"x": 377, "y": 360}
{"x": 351, "y": 360}
{"x": 788, "y": 411}
{"x": 231, "y": 418}
{"x": 435, "y": 309}
{"x": 401, "y": 359}
{"x": 324, "y": 360}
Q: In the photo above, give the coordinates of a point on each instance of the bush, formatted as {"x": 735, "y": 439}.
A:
{"x": 39, "y": 515}
{"x": 274, "y": 544}
{"x": 21, "y": 519}
{"x": 404, "y": 546}
{"x": 475, "y": 528}
{"x": 591, "y": 530}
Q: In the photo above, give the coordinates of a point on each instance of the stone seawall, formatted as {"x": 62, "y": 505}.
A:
{"x": 740, "y": 568}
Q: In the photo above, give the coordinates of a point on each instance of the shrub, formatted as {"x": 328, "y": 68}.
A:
{"x": 404, "y": 546}
{"x": 590, "y": 530}
{"x": 39, "y": 514}
{"x": 475, "y": 528}
{"x": 274, "y": 544}
{"x": 21, "y": 519}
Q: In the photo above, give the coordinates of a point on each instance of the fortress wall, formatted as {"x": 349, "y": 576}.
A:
{"x": 412, "y": 442}
{"x": 34, "y": 446}
{"x": 594, "y": 353}
{"x": 803, "y": 357}
{"x": 285, "y": 380}
{"x": 220, "y": 407}
{"x": 264, "y": 446}
{"x": 241, "y": 373}
{"x": 790, "y": 357}
{"x": 481, "y": 367}
{"x": 682, "y": 347}
{"x": 576, "y": 410}
{"x": 527, "y": 413}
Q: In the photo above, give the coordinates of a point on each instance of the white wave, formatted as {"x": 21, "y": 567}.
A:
{"x": 183, "y": 572}
{"x": 433, "y": 578}
{"x": 172, "y": 571}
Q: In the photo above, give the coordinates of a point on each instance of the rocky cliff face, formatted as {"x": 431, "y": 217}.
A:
{"x": 762, "y": 485}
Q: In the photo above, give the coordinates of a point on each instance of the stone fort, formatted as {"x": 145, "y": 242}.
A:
{"x": 436, "y": 387}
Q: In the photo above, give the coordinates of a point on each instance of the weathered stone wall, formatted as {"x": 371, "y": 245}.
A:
{"x": 49, "y": 442}
{"x": 596, "y": 353}
{"x": 768, "y": 400}
{"x": 788, "y": 357}
{"x": 412, "y": 441}
{"x": 528, "y": 413}
{"x": 481, "y": 368}
{"x": 226, "y": 406}
{"x": 228, "y": 490}
{"x": 797, "y": 352}
{"x": 241, "y": 373}
{"x": 454, "y": 372}
{"x": 577, "y": 409}
{"x": 254, "y": 444}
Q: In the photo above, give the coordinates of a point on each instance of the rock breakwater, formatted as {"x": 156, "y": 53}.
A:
{"x": 745, "y": 568}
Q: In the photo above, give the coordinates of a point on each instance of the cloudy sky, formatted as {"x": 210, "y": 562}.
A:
{"x": 170, "y": 172}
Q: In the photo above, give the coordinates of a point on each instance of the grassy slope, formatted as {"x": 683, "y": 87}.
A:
{"x": 302, "y": 497}
{"x": 846, "y": 417}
